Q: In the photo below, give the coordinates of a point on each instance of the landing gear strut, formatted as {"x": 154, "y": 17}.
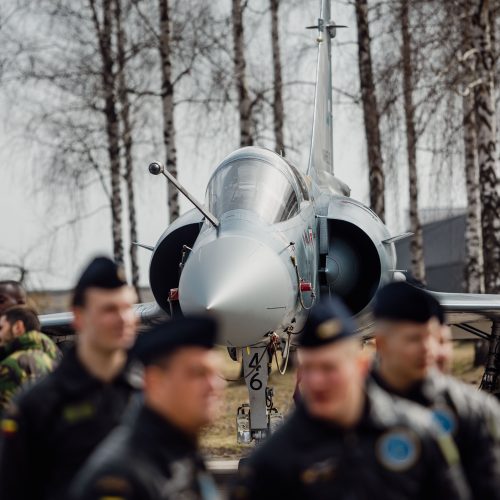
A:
{"x": 257, "y": 420}
{"x": 489, "y": 382}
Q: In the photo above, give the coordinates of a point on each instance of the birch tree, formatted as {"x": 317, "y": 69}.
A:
{"x": 167, "y": 98}
{"x": 104, "y": 29}
{"x": 278, "y": 108}
{"x": 489, "y": 173}
{"x": 417, "y": 240}
{"x": 239, "y": 61}
{"x": 127, "y": 140}
{"x": 370, "y": 111}
{"x": 474, "y": 266}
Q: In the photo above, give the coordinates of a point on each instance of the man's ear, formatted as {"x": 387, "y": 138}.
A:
{"x": 77, "y": 318}
{"x": 18, "y": 328}
{"x": 364, "y": 362}
{"x": 152, "y": 376}
{"x": 379, "y": 340}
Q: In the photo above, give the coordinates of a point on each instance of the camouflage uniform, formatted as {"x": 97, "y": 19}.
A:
{"x": 24, "y": 359}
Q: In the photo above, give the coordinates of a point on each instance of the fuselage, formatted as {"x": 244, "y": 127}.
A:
{"x": 256, "y": 272}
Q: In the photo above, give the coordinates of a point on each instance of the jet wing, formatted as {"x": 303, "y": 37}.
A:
{"x": 61, "y": 324}
{"x": 469, "y": 307}
{"x": 469, "y": 314}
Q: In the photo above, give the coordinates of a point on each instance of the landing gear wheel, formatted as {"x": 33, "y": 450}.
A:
{"x": 233, "y": 353}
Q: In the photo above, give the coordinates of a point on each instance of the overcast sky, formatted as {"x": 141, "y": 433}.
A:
{"x": 34, "y": 224}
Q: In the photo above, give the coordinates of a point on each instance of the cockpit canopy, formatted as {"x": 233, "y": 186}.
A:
{"x": 254, "y": 184}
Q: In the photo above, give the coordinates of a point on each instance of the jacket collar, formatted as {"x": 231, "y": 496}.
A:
{"x": 330, "y": 426}
{"x": 423, "y": 392}
{"x": 74, "y": 377}
{"x": 152, "y": 429}
{"x": 377, "y": 413}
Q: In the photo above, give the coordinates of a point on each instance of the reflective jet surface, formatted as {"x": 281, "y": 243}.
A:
{"x": 283, "y": 237}
{"x": 269, "y": 241}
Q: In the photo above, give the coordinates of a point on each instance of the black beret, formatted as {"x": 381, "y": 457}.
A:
{"x": 440, "y": 313}
{"x": 328, "y": 321}
{"x": 166, "y": 337}
{"x": 400, "y": 301}
{"x": 102, "y": 272}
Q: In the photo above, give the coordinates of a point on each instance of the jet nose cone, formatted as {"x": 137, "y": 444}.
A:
{"x": 240, "y": 281}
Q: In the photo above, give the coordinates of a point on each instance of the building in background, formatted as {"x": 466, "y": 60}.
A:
{"x": 444, "y": 249}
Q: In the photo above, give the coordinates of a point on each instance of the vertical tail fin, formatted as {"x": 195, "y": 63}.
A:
{"x": 321, "y": 156}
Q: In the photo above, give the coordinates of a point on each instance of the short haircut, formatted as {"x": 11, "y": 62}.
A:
{"x": 14, "y": 284}
{"x": 25, "y": 314}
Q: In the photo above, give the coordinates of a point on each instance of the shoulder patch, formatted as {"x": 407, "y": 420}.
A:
{"x": 9, "y": 426}
{"x": 398, "y": 449}
{"x": 320, "y": 471}
{"x": 116, "y": 484}
{"x": 444, "y": 417}
{"x": 77, "y": 412}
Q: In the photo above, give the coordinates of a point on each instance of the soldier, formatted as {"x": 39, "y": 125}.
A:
{"x": 407, "y": 326}
{"x": 11, "y": 294}
{"x": 26, "y": 353}
{"x": 51, "y": 429}
{"x": 347, "y": 439}
{"x": 444, "y": 353}
{"x": 156, "y": 456}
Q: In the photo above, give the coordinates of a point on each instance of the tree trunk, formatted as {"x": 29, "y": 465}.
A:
{"x": 489, "y": 173}
{"x": 126, "y": 133}
{"x": 474, "y": 270}
{"x": 167, "y": 93}
{"x": 104, "y": 35}
{"x": 417, "y": 241}
{"x": 370, "y": 111}
{"x": 244, "y": 107}
{"x": 278, "y": 108}
{"x": 474, "y": 267}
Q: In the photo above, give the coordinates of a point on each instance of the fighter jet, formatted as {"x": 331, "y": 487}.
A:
{"x": 269, "y": 241}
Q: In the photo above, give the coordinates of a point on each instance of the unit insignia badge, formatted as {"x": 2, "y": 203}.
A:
{"x": 445, "y": 419}
{"x": 398, "y": 450}
{"x": 329, "y": 328}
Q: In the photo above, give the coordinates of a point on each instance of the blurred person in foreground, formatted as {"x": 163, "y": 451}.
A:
{"x": 444, "y": 348}
{"x": 26, "y": 353}
{"x": 49, "y": 431}
{"x": 407, "y": 333}
{"x": 12, "y": 294}
{"x": 348, "y": 439}
{"x": 156, "y": 456}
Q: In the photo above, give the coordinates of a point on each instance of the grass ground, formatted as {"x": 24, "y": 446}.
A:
{"x": 219, "y": 440}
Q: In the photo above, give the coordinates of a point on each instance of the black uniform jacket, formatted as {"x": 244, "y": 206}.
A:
{"x": 49, "y": 432}
{"x": 472, "y": 417}
{"x": 393, "y": 453}
{"x": 145, "y": 460}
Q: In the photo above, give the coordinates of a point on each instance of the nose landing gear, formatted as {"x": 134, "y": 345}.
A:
{"x": 255, "y": 421}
